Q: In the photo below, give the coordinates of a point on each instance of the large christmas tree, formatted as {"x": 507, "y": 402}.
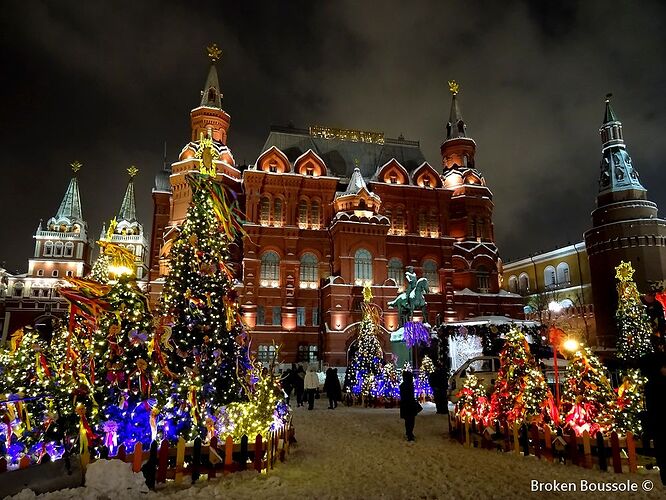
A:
{"x": 588, "y": 400}
{"x": 366, "y": 365}
{"x": 200, "y": 304}
{"x": 520, "y": 393}
{"x": 634, "y": 342}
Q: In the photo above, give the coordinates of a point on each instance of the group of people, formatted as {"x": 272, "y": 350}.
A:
{"x": 306, "y": 386}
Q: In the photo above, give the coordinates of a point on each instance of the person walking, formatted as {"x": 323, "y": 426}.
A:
{"x": 286, "y": 381}
{"x": 409, "y": 407}
{"x": 332, "y": 388}
{"x": 299, "y": 384}
{"x": 311, "y": 384}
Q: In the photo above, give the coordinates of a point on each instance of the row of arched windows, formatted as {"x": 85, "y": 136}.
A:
{"x": 552, "y": 277}
{"x": 363, "y": 270}
{"x": 273, "y": 212}
{"x": 427, "y": 221}
{"x": 58, "y": 249}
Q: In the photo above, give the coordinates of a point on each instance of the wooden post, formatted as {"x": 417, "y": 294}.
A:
{"x": 213, "y": 457}
{"x": 548, "y": 443}
{"x": 24, "y": 463}
{"x": 631, "y": 452}
{"x": 180, "y": 460}
{"x": 150, "y": 469}
{"x": 163, "y": 462}
{"x": 572, "y": 445}
{"x": 507, "y": 436}
{"x": 3, "y": 465}
{"x": 587, "y": 451}
{"x": 467, "y": 437}
{"x": 243, "y": 453}
{"x": 137, "y": 460}
{"x": 258, "y": 453}
{"x": 524, "y": 440}
{"x": 196, "y": 460}
{"x": 601, "y": 452}
{"x": 536, "y": 439}
{"x": 615, "y": 452}
{"x": 121, "y": 454}
{"x": 228, "y": 454}
{"x": 516, "y": 442}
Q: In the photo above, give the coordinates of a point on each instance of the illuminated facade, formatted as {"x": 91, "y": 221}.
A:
{"x": 329, "y": 210}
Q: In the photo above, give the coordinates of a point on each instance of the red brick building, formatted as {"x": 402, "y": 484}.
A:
{"x": 331, "y": 209}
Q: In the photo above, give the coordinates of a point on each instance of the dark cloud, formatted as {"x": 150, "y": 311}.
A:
{"x": 108, "y": 82}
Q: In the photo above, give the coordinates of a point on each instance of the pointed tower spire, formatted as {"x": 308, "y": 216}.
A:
{"x": 128, "y": 207}
{"x": 211, "y": 96}
{"x": 617, "y": 170}
{"x": 356, "y": 182}
{"x": 70, "y": 206}
{"x": 456, "y": 125}
{"x": 457, "y": 149}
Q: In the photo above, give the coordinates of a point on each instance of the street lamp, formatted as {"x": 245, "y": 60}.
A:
{"x": 571, "y": 345}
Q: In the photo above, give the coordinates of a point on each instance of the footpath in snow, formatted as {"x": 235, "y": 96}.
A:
{"x": 355, "y": 453}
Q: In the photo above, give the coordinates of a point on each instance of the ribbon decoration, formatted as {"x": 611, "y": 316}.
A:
{"x": 86, "y": 434}
{"x": 144, "y": 381}
{"x": 192, "y": 400}
{"x": 15, "y": 340}
{"x": 42, "y": 366}
{"x": 120, "y": 256}
{"x": 154, "y": 412}
{"x": 229, "y": 216}
{"x": 111, "y": 434}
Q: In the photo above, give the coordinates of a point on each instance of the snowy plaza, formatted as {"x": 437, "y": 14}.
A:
{"x": 351, "y": 453}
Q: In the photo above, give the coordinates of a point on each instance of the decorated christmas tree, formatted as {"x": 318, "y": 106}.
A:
{"x": 473, "y": 401}
{"x": 123, "y": 377}
{"x": 520, "y": 393}
{"x": 633, "y": 324}
{"x": 588, "y": 400}
{"x": 634, "y": 342}
{"x": 388, "y": 382}
{"x": 422, "y": 386}
{"x": 200, "y": 306}
{"x": 367, "y": 362}
{"x": 100, "y": 269}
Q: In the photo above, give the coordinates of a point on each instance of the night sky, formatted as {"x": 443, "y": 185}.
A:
{"x": 106, "y": 83}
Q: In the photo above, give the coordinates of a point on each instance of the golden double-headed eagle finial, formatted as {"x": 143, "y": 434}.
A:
{"x": 214, "y": 52}
{"x": 454, "y": 87}
{"x": 76, "y": 166}
{"x": 132, "y": 171}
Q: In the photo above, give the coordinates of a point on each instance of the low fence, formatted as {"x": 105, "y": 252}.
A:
{"x": 162, "y": 462}
{"x": 615, "y": 452}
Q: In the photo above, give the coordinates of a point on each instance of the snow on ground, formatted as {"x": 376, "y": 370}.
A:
{"x": 351, "y": 453}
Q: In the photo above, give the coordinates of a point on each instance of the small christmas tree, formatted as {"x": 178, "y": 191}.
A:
{"x": 388, "y": 382}
{"x": 367, "y": 362}
{"x": 210, "y": 355}
{"x": 634, "y": 342}
{"x": 473, "y": 401}
{"x": 588, "y": 400}
{"x": 422, "y": 386}
{"x": 100, "y": 269}
{"x": 520, "y": 393}
{"x": 634, "y": 330}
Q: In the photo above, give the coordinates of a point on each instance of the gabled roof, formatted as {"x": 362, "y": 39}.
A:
{"x": 340, "y": 156}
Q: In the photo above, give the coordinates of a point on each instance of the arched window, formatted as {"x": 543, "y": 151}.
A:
{"x": 69, "y": 249}
{"x": 48, "y": 249}
{"x": 314, "y": 215}
{"x": 309, "y": 272}
{"x": 483, "y": 279}
{"x": 523, "y": 283}
{"x": 54, "y": 273}
{"x": 423, "y": 224}
{"x": 303, "y": 214}
{"x": 40, "y": 272}
{"x": 277, "y": 212}
{"x": 513, "y": 284}
{"x": 264, "y": 211}
{"x": 362, "y": 266}
{"x": 430, "y": 273}
{"x": 549, "y": 278}
{"x": 57, "y": 249}
{"x": 270, "y": 269}
{"x": 395, "y": 271}
{"x": 563, "y": 273}
{"x": 398, "y": 222}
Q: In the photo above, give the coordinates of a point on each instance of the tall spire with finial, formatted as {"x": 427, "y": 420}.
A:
{"x": 70, "y": 206}
{"x": 456, "y": 125}
{"x": 211, "y": 96}
{"x": 128, "y": 207}
{"x": 617, "y": 170}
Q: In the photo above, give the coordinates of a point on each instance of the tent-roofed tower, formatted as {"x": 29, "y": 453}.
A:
{"x": 476, "y": 259}
{"x": 128, "y": 231}
{"x": 62, "y": 247}
{"x": 625, "y": 227}
{"x": 172, "y": 194}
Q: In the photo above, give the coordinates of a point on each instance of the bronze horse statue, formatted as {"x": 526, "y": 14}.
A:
{"x": 411, "y": 300}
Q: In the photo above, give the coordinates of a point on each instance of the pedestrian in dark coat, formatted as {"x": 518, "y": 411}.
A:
{"x": 299, "y": 384}
{"x": 287, "y": 381}
{"x": 409, "y": 407}
{"x": 654, "y": 368}
{"x": 332, "y": 388}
